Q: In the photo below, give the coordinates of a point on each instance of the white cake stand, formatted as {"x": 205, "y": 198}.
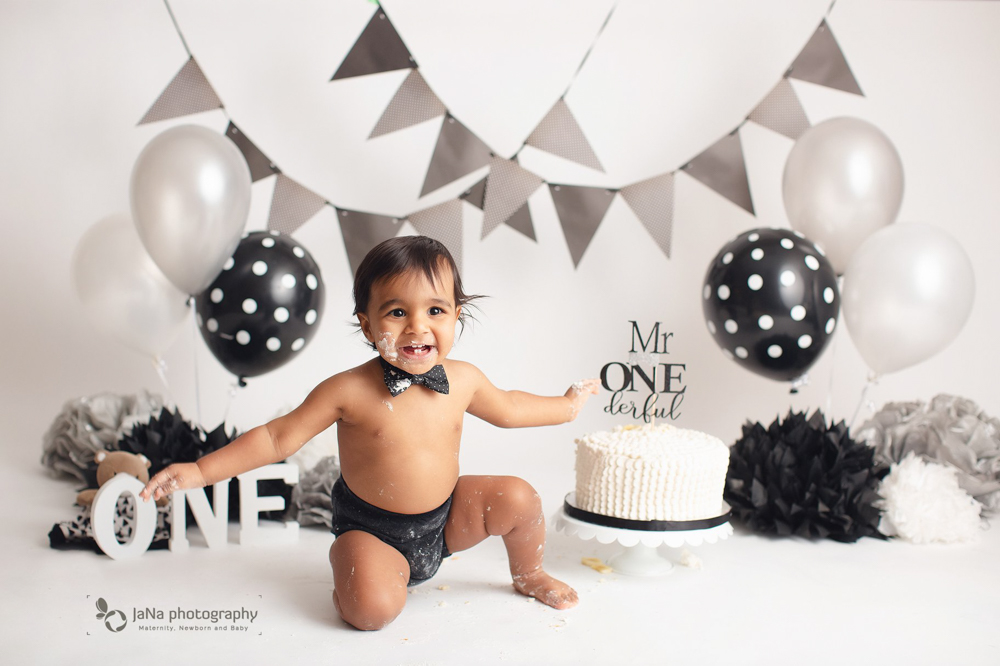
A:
{"x": 639, "y": 556}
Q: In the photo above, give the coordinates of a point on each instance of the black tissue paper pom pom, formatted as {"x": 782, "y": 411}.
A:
{"x": 802, "y": 477}
{"x": 170, "y": 439}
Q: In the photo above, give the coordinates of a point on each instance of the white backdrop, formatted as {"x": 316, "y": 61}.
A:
{"x": 665, "y": 81}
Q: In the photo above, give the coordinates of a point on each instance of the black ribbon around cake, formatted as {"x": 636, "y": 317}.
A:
{"x": 645, "y": 525}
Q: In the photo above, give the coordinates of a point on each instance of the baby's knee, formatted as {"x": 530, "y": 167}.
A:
{"x": 370, "y": 609}
{"x": 520, "y": 498}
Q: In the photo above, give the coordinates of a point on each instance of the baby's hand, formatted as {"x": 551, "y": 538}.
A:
{"x": 179, "y": 476}
{"x": 578, "y": 394}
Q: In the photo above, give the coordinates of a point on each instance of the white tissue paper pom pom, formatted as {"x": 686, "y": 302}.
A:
{"x": 923, "y": 503}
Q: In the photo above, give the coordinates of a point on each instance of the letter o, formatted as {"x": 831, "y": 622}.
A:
{"x": 626, "y": 377}
{"x": 102, "y": 518}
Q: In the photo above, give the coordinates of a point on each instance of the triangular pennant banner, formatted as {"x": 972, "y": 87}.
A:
{"x": 476, "y": 195}
{"x": 822, "y": 62}
{"x": 781, "y": 111}
{"x": 721, "y": 167}
{"x": 443, "y": 223}
{"x": 292, "y": 205}
{"x": 363, "y": 231}
{"x": 413, "y": 103}
{"x": 379, "y": 49}
{"x": 581, "y": 210}
{"x": 652, "y": 201}
{"x": 560, "y": 134}
{"x": 260, "y": 165}
{"x": 458, "y": 152}
{"x": 521, "y": 221}
{"x": 189, "y": 92}
{"x": 507, "y": 189}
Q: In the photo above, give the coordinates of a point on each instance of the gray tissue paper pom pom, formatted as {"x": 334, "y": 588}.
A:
{"x": 91, "y": 424}
{"x": 949, "y": 430}
{"x": 311, "y": 497}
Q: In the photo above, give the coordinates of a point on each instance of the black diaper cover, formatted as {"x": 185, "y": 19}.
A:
{"x": 419, "y": 537}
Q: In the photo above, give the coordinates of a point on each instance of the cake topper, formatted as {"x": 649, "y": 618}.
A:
{"x": 664, "y": 381}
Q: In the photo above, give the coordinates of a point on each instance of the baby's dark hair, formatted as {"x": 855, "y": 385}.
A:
{"x": 402, "y": 255}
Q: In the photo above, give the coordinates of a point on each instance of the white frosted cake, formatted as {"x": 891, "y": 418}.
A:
{"x": 651, "y": 472}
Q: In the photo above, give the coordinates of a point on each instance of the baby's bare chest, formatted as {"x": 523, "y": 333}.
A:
{"x": 424, "y": 423}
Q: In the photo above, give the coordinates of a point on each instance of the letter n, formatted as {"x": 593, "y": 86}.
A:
{"x": 213, "y": 525}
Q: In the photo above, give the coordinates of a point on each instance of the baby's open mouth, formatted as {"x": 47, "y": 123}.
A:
{"x": 416, "y": 351}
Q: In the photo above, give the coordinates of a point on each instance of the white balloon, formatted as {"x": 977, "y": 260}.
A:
{"x": 843, "y": 181}
{"x": 190, "y": 195}
{"x": 908, "y": 291}
{"x": 123, "y": 292}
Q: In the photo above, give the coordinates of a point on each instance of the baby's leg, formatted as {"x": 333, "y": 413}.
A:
{"x": 369, "y": 580}
{"x": 509, "y": 507}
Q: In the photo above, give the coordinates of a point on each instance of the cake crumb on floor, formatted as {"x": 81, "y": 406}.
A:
{"x": 689, "y": 559}
{"x": 596, "y": 564}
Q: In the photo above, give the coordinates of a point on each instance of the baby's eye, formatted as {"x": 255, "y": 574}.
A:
{"x": 436, "y": 311}
{"x": 398, "y": 312}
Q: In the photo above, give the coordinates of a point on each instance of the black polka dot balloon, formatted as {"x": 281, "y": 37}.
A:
{"x": 264, "y": 306}
{"x": 771, "y": 302}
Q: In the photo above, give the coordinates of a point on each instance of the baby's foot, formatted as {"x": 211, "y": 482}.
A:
{"x": 546, "y": 589}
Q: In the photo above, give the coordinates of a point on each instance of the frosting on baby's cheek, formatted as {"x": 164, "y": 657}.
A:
{"x": 387, "y": 346}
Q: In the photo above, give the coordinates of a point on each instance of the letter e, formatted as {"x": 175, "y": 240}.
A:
{"x": 251, "y": 504}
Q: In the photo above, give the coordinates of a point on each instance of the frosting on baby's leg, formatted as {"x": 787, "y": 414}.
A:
{"x": 508, "y": 507}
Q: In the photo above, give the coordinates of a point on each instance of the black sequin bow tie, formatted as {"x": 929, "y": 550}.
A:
{"x": 397, "y": 380}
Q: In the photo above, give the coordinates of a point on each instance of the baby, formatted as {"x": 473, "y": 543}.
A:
{"x": 400, "y": 505}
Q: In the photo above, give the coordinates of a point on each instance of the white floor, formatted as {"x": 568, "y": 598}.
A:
{"x": 754, "y": 601}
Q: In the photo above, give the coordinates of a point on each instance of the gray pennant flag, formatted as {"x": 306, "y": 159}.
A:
{"x": 413, "y": 103}
{"x": 521, "y": 221}
{"x": 260, "y": 165}
{"x": 507, "y": 189}
{"x": 581, "y": 210}
{"x": 722, "y": 168}
{"x": 458, "y": 152}
{"x": 379, "y": 49}
{"x": 560, "y": 134}
{"x": 292, "y": 205}
{"x": 363, "y": 231}
{"x": 781, "y": 111}
{"x": 476, "y": 195}
{"x": 822, "y": 62}
{"x": 652, "y": 201}
{"x": 443, "y": 223}
{"x": 189, "y": 92}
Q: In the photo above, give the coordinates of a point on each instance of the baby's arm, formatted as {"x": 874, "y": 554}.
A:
{"x": 263, "y": 445}
{"x": 517, "y": 409}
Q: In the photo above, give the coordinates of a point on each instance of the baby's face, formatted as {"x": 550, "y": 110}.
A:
{"x": 411, "y": 320}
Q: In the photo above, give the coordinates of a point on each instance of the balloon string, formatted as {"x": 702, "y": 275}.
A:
{"x": 194, "y": 357}
{"x": 233, "y": 388}
{"x": 833, "y": 355}
{"x": 161, "y": 371}
{"x": 833, "y": 368}
{"x": 872, "y": 380}
{"x": 799, "y": 383}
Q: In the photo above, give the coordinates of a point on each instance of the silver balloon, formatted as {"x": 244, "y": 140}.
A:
{"x": 843, "y": 181}
{"x": 190, "y": 194}
{"x": 908, "y": 291}
{"x": 123, "y": 292}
